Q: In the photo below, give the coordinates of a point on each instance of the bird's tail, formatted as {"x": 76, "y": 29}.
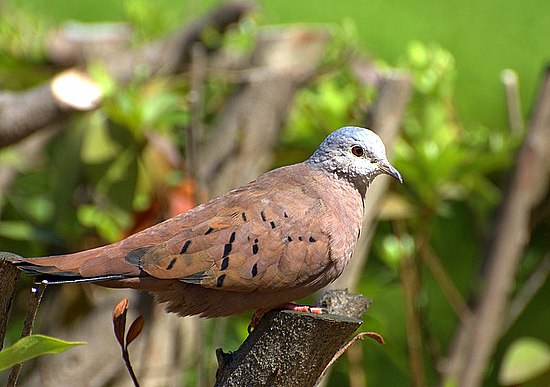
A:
{"x": 101, "y": 264}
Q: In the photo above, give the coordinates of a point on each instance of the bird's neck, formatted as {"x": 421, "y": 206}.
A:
{"x": 359, "y": 183}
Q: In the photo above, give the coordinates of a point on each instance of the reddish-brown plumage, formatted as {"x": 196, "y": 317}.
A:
{"x": 267, "y": 243}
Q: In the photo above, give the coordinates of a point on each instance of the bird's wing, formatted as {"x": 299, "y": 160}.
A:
{"x": 255, "y": 239}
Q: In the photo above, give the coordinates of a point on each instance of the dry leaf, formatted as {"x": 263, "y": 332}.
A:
{"x": 119, "y": 320}
{"x": 135, "y": 329}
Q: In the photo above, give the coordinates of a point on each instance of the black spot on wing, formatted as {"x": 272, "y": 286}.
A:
{"x": 185, "y": 247}
{"x": 225, "y": 263}
{"x": 285, "y": 214}
{"x": 272, "y": 224}
{"x": 312, "y": 239}
{"x": 210, "y": 229}
{"x": 254, "y": 270}
{"x": 227, "y": 249}
{"x": 232, "y": 237}
{"x": 171, "y": 264}
{"x": 243, "y": 215}
{"x": 262, "y": 214}
{"x": 255, "y": 248}
{"x": 219, "y": 281}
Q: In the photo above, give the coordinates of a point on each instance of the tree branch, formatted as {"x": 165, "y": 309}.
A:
{"x": 22, "y": 114}
{"x": 8, "y": 287}
{"x": 291, "y": 348}
{"x": 475, "y": 341}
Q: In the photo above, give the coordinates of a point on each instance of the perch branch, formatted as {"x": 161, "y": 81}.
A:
{"x": 8, "y": 287}
{"x": 291, "y": 348}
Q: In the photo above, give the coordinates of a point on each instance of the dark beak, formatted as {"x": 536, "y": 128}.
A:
{"x": 389, "y": 169}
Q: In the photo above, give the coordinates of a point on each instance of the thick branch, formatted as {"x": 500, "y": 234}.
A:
{"x": 476, "y": 340}
{"x": 8, "y": 286}
{"x": 21, "y": 114}
{"x": 291, "y": 348}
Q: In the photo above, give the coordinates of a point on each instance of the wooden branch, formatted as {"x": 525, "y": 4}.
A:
{"x": 291, "y": 348}
{"x": 475, "y": 341}
{"x": 22, "y": 114}
{"x": 8, "y": 286}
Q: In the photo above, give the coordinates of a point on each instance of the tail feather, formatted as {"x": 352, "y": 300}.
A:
{"x": 60, "y": 280}
{"x": 94, "y": 265}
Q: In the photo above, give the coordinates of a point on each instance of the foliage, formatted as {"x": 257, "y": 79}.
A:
{"x": 524, "y": 360}
{"x": 33, "y": 346}
{"x": 99, "y": 176}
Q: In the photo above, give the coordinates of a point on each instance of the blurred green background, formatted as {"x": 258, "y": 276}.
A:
{"x": 456, "y": 152}
{"x": 485, "y": 37}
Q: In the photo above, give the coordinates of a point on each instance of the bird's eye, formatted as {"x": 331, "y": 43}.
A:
{"x": 358, "y": 151}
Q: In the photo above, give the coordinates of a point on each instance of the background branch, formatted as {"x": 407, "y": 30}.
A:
{"x": 476, "y": 340}
{"x": 22, "y": 114}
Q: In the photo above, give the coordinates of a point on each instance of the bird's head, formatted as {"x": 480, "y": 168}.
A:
{"x": 355, "y": 154}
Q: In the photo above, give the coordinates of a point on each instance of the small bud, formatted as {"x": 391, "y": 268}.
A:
{"x": 119, "y": 320}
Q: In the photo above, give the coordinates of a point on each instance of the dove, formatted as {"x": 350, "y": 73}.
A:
{"x": 261, "y": 246}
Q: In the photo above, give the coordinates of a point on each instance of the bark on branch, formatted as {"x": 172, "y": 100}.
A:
{"x": 8, "y": 286}
{"x": 291, "y": 348}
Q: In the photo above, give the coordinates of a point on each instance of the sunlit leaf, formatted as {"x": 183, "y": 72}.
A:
{"x": 525, "y": 359}
{"x": 32, "y": 346}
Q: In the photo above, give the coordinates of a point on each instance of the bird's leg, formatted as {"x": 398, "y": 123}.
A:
{"x": 259, "y": 313}
{"x": 304, "y": 308}
{"x": 256, "y": 317}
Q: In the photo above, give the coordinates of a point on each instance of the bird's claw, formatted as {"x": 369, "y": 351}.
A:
{"x": 259, "y": 313}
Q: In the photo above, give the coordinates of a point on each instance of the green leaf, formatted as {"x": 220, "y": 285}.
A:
{"x": 525, "y": 359}
{"x": 32, "y": 346}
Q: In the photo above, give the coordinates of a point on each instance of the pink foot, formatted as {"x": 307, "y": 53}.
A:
{"x": 259, "y": 313}
{"x": 303, "y": 308}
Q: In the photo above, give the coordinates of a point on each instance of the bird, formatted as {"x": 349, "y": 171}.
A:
{"x": 261, "y": 246}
